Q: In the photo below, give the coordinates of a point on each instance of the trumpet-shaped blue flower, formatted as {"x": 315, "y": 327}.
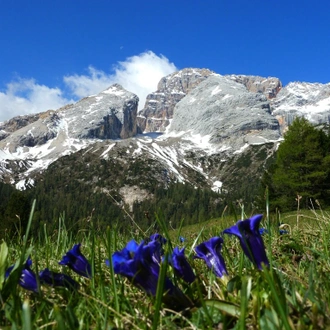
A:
{"x": 28, "y": 279}
{"x": 75, "y": 260}
{"x": 250, "y": 239}
{"x": 137, "y": 262}
{"x": 49, "y": 277}
{"x": 158, "y": 237}
{"x": 210, "y": 252}
{"x": 159, "y": 251}
{"x": 181, "y": 265}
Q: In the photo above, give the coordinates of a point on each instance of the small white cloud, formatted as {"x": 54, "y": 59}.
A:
{"x": 25, "y": 96}
{"x": 139, "y": 74}
{"x": 86, "y": 85}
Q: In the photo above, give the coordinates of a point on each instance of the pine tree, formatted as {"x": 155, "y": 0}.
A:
{"x": 300, "y": 166}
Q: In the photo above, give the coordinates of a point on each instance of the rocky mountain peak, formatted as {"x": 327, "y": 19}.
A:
{"x": 218, "y": 117}
{"x": 158, "y": 109}
{"x": 109, "y": 115}
{"x": 226, "y": 112}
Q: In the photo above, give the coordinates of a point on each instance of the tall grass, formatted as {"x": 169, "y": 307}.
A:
{"x": 294, "y": 293}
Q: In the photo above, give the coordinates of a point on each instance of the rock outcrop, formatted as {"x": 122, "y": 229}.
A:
{"x": 36, "y": 133}
{"x": 109, "y": 115}
{"x": 227, "y": 112}
{"x": 297, "y": 99}
{"x": 158, "y": 109}
{"x": 270, "y": 86}
{"x": 16, "y": 123}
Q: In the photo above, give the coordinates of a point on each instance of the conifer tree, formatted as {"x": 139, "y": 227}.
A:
{"x": 300, "y": 168}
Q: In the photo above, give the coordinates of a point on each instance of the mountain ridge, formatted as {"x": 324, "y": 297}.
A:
{"x": 255, "y": 111}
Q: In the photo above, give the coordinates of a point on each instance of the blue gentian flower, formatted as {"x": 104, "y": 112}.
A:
{"x": 49, "y": 277}
{"x": 181, "y": 265}
{"x": 250, "y": 239}
{"x": 158, "y": 253}
{"x": 210, "y": 252}
{"x": 182, "y": 239}
{"x": 158, "y": 237}
{"x": 75, "y": 260}
{"x": 138, "y": 264}
{"x": 28, "y": 279}
{"x": 283, "y": 231}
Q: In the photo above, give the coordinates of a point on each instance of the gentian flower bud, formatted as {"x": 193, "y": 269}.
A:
{"x": 181, "y": 265}
{"x": 210, "y": 252}
{"x": 28, "y": 279}
{"x": 75, "y": 260}
{"x": 250, "y": 239}
{"x": 182, "y": 239}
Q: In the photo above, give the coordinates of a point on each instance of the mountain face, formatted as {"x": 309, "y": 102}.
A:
{"x": 159, "y": 106}
{"x": 199, "y": 128}
{"x": 311, "y": 101}
{"x": 227, "y": 113}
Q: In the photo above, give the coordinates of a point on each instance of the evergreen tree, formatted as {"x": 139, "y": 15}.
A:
{"x": 300, "y": 168}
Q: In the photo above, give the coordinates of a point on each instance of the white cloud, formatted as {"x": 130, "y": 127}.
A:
{"x": 25, "y": 96}
{"x": 139, "y": 74}
{"x": 82, "y": 86}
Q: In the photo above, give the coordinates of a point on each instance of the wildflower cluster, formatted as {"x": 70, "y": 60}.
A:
{"x": 74, "y": 259}
{"x": 141, "y": 263}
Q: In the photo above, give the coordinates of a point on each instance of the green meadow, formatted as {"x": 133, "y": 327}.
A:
{"x": 292, "y": 293}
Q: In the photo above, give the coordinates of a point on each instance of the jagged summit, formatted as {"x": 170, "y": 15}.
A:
{"x": 109, "y": 115}
{"x": 268, "y": 86}
{"x": 41, "y": 139}
{"x": 159, "y": 106}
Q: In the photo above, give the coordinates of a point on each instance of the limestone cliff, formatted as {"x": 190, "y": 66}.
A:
{"x": 158, "y": 109}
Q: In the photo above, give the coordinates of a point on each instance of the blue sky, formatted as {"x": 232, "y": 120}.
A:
{"x": 55, "y": 52}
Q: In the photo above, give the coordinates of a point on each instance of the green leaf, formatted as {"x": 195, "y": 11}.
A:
{"x": 3, "y": 262}
{"x": 26, "y": 316}
{"x": 225, "y": 307}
